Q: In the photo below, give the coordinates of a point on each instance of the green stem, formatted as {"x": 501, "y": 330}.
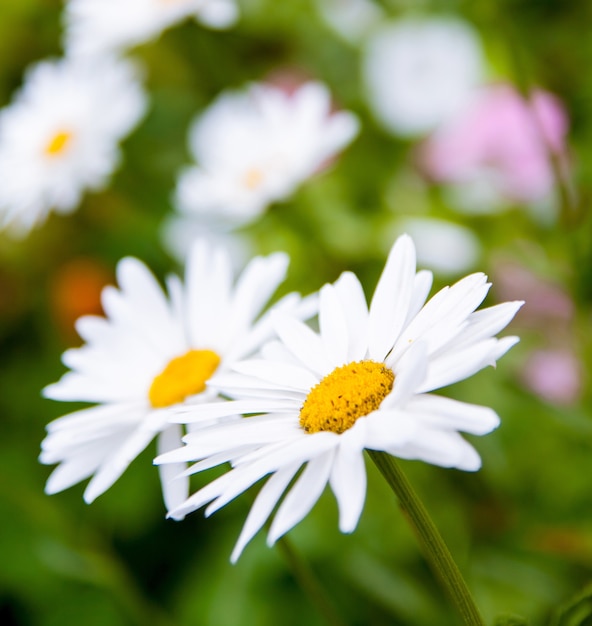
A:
{"x": 308, "y": 582}
{"x": 435, "y": 550}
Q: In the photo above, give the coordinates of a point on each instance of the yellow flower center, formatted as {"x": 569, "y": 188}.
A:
{"x": 184, "y": 376}
{"x": 58, "y": 143}
{"x": 347, "y": 393}
{"x": 253, "y": 178}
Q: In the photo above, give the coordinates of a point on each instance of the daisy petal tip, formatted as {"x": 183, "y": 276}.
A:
{"x": 347, "y": 527}
{"x": 236, "y": 553}
{"x": 90, "y": 495}
{"x": 177, "y": 517}
{"x": 506, "y": 344}
{"x": 49, "y": 391}
{"x": 177, "y": 514}
{"x": 51, "y": 487}
{"x": 165, "y": 457}
{"x": 488, "y": 425}
{"x": 472, "y": 465}
{"x": 405, "y": 245}
{"x": 518, "y": 304}
{"x": 281, "y": 260}
{"x": 404, "y": 240}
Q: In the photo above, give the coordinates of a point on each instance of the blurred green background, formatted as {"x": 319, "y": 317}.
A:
{"x": 520, "y": 529}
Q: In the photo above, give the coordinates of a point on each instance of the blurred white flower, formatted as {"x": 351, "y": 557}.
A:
{"x": 418, "y": 72}
{"x": 352, "y": 19}
{"x": 178, "y": 233}
{"x": 99, "y": 26}
{"x": 363, "y": 382}
{"x": 151, "y": 353}
{"x": 441, "y": 245}
{"x": 60, "y": 136}
{"x": 255, "y": 147}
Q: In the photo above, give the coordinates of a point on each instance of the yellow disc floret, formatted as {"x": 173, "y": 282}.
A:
{"x": 252, "y": 178}
{"x": 183, "y": 376}
{"x": 347, "y": 393}
{"x": 58, "y": 143}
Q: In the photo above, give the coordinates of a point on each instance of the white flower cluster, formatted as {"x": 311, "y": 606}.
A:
{"x": 161, "y": 366}
{"x": 95, "y": 27}
{"x": 185, "y": 366}
{"x": 61, "y": 135}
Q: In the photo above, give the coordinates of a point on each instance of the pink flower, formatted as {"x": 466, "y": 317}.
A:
{"x": 553, "y": 370}
{"x": 554, "y": 375}
{"x": 548, "y": 305}
{"x": 502, "y": 141}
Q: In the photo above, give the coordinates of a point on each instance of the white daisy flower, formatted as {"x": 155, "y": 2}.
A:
{"x": 351, "y": 19}
{"x": 60, "y": 136}
{"x": 364, "y": 381}
{"x": 256, "y": 147}
{"x": 151, "y": 353}
{"x": 95, "y": 27}
{"x": 419, "y": 72}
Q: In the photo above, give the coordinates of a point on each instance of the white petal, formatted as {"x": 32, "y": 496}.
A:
{"x": 443, "y": 448}
{"x": 502, "y": 346}
{"x": 264, "y": 504}
{"x": 114, "y": 465}
{"x": 72, "y": 471}
{"x": 97, "y": 416}
{"x": 488, "y": 322}
{"x": 237, "y": 385}
{"x": 282, "y": 374}
{"x": 271, "y": 459}
{"x": 73, "y": 387}
{"x": 253, "y": 290}
{"x": 254, "y": 431}
{"x": 301, "y": 447}
{"x": 444, "y": 316}
{"x": 244, "y": 477}
{"x": 392, "y": 298}
{"x": 421, "y": 289}
{"x": 303, "y": 496}
{"x": 410, "y": 373}
{"x": 387, "y": 429}
{"x": 348, "y": 480}
{"x": 147, "y": 304}
{"x": 333, "y": 326}
{"x": 229, "y": 455}
{"x": 175, "y": 487}
{"x": 92, "y": 328}
{"x": 454, "y": 366}
{"x": 208, "y": 284}
{"x": 304, "y": 344}
{"x": 127, "y": 316}
{"x": 204, "y": 495}
{"x": 176, "y": 292}
{"x": 204, "y": 412}
{"x": 353, "y": 303}
{"x": 264, "y": 328}
{"x": 447, "y": 414}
